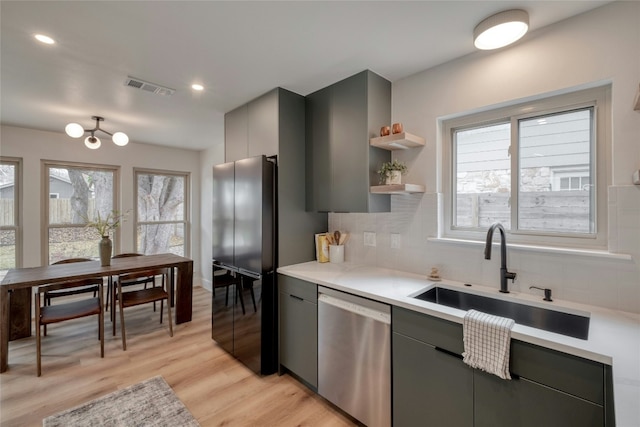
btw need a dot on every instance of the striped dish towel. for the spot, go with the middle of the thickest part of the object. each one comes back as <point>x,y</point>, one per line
<point>487,340</point>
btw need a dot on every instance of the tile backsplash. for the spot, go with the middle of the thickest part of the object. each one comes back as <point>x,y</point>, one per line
<point>605,282</point>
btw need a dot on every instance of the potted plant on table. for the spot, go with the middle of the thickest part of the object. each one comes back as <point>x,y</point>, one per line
<point>104,226</point>
<point>391,172</point>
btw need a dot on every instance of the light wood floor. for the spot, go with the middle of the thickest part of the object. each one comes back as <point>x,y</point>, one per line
<point>217,389</point>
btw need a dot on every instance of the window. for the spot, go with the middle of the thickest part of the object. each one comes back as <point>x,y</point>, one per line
<point>82,191</point>
<point>162,212</point>
<point>570,178</point>
<point>10,197</point>
<point>537,168</point>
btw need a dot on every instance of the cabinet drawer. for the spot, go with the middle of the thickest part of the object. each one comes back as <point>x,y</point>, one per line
<point>428,329</point>
<point>571,374</point>
<point>524,403</point>
<point>574,375</point>
<point>299,337</point>
<point>299,288</point>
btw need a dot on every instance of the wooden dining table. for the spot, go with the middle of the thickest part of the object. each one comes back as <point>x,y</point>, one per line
<point>16,289</point>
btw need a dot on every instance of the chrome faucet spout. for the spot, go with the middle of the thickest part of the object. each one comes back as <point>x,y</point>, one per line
<point>504,273</point>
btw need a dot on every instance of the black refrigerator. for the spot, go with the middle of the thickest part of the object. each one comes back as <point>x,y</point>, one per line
<point>244,312</point>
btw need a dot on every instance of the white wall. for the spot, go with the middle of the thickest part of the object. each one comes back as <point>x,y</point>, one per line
<point>600,46</point>
<point>208,159</point>
<point>34,145</point>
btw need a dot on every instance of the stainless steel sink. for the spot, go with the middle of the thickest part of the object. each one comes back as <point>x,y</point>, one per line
<point>573,325</point>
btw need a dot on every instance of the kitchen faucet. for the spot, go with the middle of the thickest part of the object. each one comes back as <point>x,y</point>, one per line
<point>504,274</point>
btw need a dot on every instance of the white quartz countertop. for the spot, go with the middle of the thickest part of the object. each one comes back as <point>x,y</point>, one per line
<point>614,336</point>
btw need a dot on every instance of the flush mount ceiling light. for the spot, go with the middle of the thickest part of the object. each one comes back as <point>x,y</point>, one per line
<point>501,29</point>
<point>197,87</point>
<point>74,130</point>
<point>44,39</point>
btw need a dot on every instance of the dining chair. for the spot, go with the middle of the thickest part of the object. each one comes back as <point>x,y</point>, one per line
<point>67,292</point>
<point>74,309</point>
<point>62,292</point>
<point>142,296</point>
<point>112,278</point>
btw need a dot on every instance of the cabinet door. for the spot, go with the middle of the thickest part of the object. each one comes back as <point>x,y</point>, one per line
<point>430,387</point>
<point>318,161</point>
<point>524,403</point>
<point>236,138</point>
<point>349,145</point>
<point>299,337</point>
<point>263,125</point>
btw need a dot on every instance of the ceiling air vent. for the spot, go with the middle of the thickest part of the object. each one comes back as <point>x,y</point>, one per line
<point>148,87</point>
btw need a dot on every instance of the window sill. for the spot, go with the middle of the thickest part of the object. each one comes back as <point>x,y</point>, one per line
<point>544,249</point>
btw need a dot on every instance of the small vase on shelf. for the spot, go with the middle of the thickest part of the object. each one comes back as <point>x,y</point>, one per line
<point>394,177</point>
<point>105,247</point>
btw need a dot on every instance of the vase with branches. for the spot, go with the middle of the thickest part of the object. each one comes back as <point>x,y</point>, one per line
<point>104,226</point>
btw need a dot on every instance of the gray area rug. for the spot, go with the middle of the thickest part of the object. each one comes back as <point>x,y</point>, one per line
<point>149,403</point>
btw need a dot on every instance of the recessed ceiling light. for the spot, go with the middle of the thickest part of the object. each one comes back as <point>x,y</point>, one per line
<point>196,86</point>
<point>501,29</point>
<point>44,39</point>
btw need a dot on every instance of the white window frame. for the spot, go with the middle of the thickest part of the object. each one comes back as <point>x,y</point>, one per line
<point>17,206</point>
<point>186,202</point>
<point>46,164</point>
<point>600,99</point>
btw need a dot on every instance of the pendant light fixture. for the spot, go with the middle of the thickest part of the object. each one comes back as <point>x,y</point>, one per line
<point>501,29</point>
<point>74,130</point>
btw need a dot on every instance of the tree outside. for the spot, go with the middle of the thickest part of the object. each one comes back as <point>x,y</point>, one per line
<point>161,213</point>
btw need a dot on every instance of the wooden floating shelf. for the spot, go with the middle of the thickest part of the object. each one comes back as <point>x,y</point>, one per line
<point>397,189</point>
<point>398,141</point>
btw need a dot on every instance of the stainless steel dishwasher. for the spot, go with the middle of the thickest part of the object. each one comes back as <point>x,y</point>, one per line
<point>354,355</point>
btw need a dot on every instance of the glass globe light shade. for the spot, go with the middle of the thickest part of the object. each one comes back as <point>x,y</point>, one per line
<point>74,130</point>
<point>120,138</point>
<point>92,142</point>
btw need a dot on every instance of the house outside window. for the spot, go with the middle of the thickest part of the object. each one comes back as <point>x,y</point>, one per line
<point>10,218</point>
<point>576,179</point>
<point>162,212</point>
<point>537,168</point>
<point>83,191</point>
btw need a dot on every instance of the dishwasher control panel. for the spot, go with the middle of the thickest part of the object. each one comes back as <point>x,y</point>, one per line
<point>381,316</point>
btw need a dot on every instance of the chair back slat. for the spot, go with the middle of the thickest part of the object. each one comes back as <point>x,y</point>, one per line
<point>71,260</point>
<point>70,284</point>
<point>137,275</point>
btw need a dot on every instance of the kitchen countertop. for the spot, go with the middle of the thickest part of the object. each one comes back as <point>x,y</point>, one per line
<point>614,336</point>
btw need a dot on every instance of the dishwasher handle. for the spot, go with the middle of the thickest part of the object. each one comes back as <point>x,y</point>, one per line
<point>358,309</point>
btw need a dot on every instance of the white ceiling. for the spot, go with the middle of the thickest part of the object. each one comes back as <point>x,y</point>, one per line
<point>238,50</point>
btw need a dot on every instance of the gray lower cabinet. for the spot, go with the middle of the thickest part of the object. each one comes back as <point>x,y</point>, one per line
<point>298,307</point>
<point>525,403</point>
<point>432,386</point>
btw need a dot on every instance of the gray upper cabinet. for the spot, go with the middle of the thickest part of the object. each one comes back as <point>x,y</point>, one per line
<point>274,124</point>
<point>341,165</point>
<point>252,129</point>
<point>236,135</point>
<point>263,125</point>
